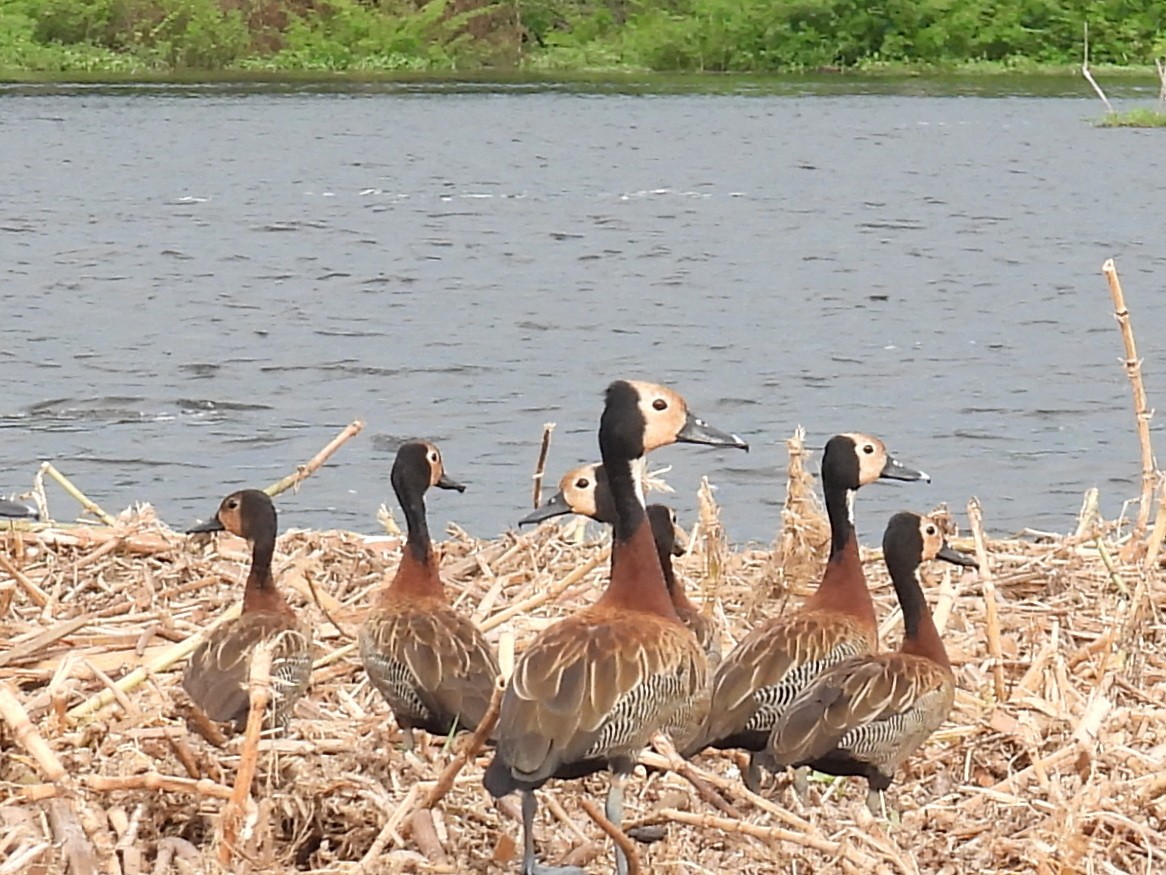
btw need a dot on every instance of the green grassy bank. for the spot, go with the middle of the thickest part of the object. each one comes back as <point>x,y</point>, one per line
<point>152,37</point>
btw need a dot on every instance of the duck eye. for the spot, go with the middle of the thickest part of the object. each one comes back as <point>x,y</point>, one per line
<point>232,504</point>
<point>660,404</point>
<point>868,448</point>
<point>582,483</point>
<point>931,530</point>
<point>433,457</point>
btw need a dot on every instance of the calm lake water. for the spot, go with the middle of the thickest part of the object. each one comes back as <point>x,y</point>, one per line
<point>202,285</point>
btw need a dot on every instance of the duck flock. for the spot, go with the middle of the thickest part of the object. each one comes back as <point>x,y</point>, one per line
<point>809,689</point>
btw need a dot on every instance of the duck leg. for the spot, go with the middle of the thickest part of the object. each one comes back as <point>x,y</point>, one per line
<point>530,866</point>
<point>614,811</point>
<point>801,784</point>
<point>759,761</point>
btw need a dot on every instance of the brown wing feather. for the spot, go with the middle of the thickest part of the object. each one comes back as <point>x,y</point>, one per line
<point>594,686</point>
<point>217,675</point>
<point>876,709</point>
<point>770,666</point>
<point>445,669</point>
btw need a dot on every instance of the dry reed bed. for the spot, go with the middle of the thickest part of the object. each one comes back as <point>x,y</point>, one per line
<point>1052,760</point>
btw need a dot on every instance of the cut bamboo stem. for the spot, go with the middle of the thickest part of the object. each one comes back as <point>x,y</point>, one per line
<point>988,587</point>
<point>259,683</point>
<point>85,501</point>
<point>540,466</point>
<point>1142,413</point>
<point>314,464</point>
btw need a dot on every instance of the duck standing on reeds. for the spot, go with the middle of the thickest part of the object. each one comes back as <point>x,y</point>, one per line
<point>584,491</point>
<point>429,661</point>
<point>867,714</point>
<point>217,676</point>
<point>589,692</point>
<point>765,671</point>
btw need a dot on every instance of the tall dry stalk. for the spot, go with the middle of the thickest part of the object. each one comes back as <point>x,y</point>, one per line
<point>540,466</point>
<point>1089,76</point>
<point>715,550</point>
<point>1142,413</point>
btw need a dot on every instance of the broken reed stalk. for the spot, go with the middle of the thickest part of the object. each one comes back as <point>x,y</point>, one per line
<point>163,661</point>
<point>27,735</point>
<point>540,466</point>
<point>67,827</point>
<point>233,813</point>
<point>547,594</point>
<point>808,839</point>
<point>152,781</point>
<point>1154,540</point>
<point>616,834</point>
<point>1133,367</point>
<point>988,587</point>
<point>35,594</point>
<point>89,504</point>
<point>449,774</point>
<point>314,464</point>
<point>713,538</point>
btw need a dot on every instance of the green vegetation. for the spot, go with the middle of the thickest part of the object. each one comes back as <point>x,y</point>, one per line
<point>1142,117</point>
<point>755,36</point>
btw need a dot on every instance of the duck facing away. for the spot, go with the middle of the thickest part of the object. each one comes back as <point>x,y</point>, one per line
<point>867,714</point>
<point>584,491</point>
<point>216,677</point>
<point>429,661</point>
<point>775,661</point>
<point>589,692</point>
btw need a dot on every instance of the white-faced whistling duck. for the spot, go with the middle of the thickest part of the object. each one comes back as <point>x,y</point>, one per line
<point>866,715</point>
<point>590,691</point>
<point>216,677</point>
<point>770,665</point>
<point>14,510</point>
<point>429,661</point>
<point>584,491</point>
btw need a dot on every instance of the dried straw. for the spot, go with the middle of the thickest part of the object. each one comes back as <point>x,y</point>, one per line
<point>1051,760</point>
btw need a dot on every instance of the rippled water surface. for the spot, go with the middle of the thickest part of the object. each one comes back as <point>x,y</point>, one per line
<point>202,285</point>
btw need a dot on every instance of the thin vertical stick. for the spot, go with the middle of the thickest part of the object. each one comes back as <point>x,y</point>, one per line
<point>1133,366</point>
<point>540,466</point>
<point>988,585</point>
<point>259,681</point>
<point>1160,66</point>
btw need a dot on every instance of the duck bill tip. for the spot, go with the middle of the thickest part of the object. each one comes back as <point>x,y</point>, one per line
<point>955,557</point>
<point>211,525</point>
<point>555,506</point>
<point>447,482</point>
<point>896,470</point>
<point>697,431</point>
